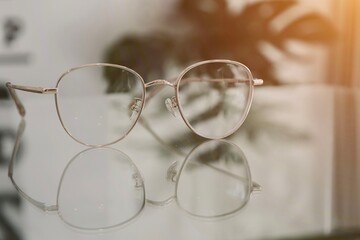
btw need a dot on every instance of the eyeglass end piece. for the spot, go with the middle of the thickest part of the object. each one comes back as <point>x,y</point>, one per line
<point>49,90</point>
<point>258,82</point>
<point>256,187</point>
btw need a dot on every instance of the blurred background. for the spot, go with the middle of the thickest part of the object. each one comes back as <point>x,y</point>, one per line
<point>307,52</point>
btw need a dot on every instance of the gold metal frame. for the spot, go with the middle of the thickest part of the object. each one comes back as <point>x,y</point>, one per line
<point>175,100</point>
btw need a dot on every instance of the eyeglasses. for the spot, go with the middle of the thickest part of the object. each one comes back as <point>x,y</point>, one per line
<point>213,98</point>
<point>102,188</point>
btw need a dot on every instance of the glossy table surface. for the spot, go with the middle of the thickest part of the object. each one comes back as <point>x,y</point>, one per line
<point>291,171</point>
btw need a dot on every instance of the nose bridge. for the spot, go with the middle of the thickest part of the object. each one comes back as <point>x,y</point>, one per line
<point>159,82</point>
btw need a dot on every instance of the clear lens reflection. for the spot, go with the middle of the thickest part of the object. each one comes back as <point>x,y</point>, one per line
<point>214,180</point>
<point>102,188</point>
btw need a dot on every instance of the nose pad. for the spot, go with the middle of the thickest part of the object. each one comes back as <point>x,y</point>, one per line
<point>135,108</point>
<point>172,106</point>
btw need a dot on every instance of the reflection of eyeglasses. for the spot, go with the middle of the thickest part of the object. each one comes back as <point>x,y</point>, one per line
<point>102,188</point>
<point>213,98</point>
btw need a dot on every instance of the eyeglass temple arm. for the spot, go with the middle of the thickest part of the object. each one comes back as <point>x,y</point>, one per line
<point>254,186</point>
<point>42,206</point>
<point>255,81</point>
<point>17,100</point>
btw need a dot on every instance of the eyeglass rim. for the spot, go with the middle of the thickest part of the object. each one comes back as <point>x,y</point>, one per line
<point>247,169</point>
<point>100,65</point>
<point>176,86</point>
<point>104,227</point>
<point>247,108</point>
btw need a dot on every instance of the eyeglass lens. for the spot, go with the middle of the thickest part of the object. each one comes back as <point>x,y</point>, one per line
<point>213,97</point>
<point>94,111</point>
<point>100,188</point>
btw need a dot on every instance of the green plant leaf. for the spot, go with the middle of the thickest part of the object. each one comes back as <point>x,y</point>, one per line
<point>311,28</point>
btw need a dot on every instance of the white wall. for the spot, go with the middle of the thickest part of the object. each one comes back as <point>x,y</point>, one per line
<point>61,34</point>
